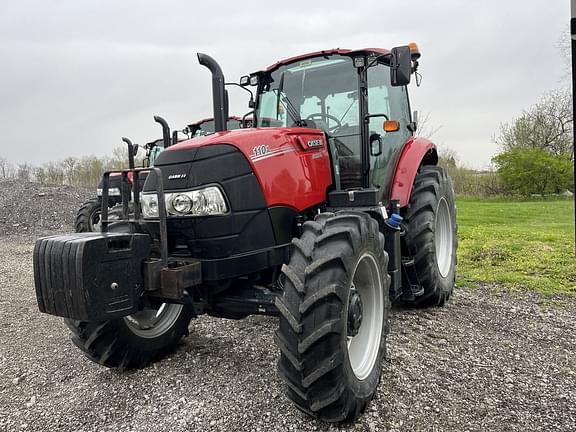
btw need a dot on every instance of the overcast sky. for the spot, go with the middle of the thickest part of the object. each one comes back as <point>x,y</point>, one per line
<point>75,76</point>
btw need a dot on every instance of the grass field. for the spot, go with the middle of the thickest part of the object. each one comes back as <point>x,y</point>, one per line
<point>517,244</point>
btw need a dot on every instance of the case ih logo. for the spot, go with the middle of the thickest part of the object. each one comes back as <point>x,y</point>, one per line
<point>314,143</point>
<point>177,176</point>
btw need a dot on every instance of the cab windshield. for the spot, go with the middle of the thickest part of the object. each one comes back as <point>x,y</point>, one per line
<point>320,92</point>
<point>207,127</point>
<point>204,128</point>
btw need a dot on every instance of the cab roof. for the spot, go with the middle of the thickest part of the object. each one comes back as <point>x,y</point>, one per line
<point>349,52</point>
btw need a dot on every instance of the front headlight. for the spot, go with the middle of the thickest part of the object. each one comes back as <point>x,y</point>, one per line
<point>149,204</point>
<point>111,192</point>
<point>208,201</point>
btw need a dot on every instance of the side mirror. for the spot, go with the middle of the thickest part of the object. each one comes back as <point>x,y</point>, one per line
<point>400,66</point>
<point>375,144</point>
<point>135,149</point>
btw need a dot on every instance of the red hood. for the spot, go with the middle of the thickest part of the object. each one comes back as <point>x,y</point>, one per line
<point>247,139</point>
<point>292,164</point>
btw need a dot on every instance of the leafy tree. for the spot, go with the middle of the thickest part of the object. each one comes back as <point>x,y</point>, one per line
<point>546,126</point>
<point>534,171</point>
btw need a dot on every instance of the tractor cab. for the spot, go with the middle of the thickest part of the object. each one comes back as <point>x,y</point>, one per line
<point>353,97</point>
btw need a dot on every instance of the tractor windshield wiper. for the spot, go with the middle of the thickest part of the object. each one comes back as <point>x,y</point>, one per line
<point>292,111</point>
<point>287,103</point>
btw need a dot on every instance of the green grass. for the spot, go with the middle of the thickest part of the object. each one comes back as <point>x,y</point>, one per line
<point>517,244</point>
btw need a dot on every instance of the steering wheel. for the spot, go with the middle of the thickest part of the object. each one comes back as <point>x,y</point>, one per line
<point>324,118</point>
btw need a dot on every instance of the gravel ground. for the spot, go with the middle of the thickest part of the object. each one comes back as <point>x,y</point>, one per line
<point>490,360</point>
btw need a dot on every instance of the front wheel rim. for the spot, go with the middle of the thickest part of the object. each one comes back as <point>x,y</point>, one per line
<point>443,237</point>
<point>364,346</point>
<point>95,220</point>
<point>153,322</point>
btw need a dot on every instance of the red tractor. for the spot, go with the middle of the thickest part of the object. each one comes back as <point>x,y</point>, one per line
<point>323,213</point>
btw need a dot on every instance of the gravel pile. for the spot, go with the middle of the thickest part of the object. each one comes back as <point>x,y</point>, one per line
<point>490,360</point>
<point>33,209</point>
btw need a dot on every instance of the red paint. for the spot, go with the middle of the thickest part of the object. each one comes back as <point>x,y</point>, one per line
<point>410,160</point>
<point>290,173</point>
<point>349,52</point>
<point>118,174</point>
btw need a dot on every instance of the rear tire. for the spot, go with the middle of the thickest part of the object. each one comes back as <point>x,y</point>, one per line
<point>135,341</point>
<point>88,216</point>
<point>330,359</point>
<point>431,235</point>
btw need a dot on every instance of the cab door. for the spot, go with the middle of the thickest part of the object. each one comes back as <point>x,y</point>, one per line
<point>393,103</point>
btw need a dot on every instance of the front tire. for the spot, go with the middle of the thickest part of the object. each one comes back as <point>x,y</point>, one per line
<point>134,341</point>
<point>431,235</point>
<point>88,216</point>
<point>334,316</point>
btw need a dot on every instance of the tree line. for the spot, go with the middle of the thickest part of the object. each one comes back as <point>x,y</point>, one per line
<point>83,172</point>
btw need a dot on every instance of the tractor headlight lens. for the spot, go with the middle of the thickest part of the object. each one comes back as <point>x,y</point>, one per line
<point>149,204</point>
<point>111,192</point>
<point>208,201</point>
<point>180,204</point>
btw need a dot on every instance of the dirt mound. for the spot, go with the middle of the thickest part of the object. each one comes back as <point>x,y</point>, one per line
<point>28,208</point>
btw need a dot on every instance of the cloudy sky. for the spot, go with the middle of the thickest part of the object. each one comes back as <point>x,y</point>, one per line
<point>75,76</point>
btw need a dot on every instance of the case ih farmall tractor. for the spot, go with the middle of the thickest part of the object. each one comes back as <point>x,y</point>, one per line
<point>323,213</point>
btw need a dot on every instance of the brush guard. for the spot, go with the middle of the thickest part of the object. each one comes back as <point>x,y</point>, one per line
<point>100,276</point>
<point>163,277</point>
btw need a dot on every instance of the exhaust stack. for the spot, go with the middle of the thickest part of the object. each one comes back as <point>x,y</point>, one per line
<point>165,130</point>
<point>130,152</point>
<point>218,92</point>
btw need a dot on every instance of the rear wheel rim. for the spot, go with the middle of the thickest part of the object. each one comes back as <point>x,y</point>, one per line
<point>443,237</point>
<point>364,346</point>
<point>153,322</point>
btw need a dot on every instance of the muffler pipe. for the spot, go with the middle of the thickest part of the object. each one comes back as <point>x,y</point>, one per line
<point>218,91</point>
<point>165,130</point>
<point>130,152</point>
